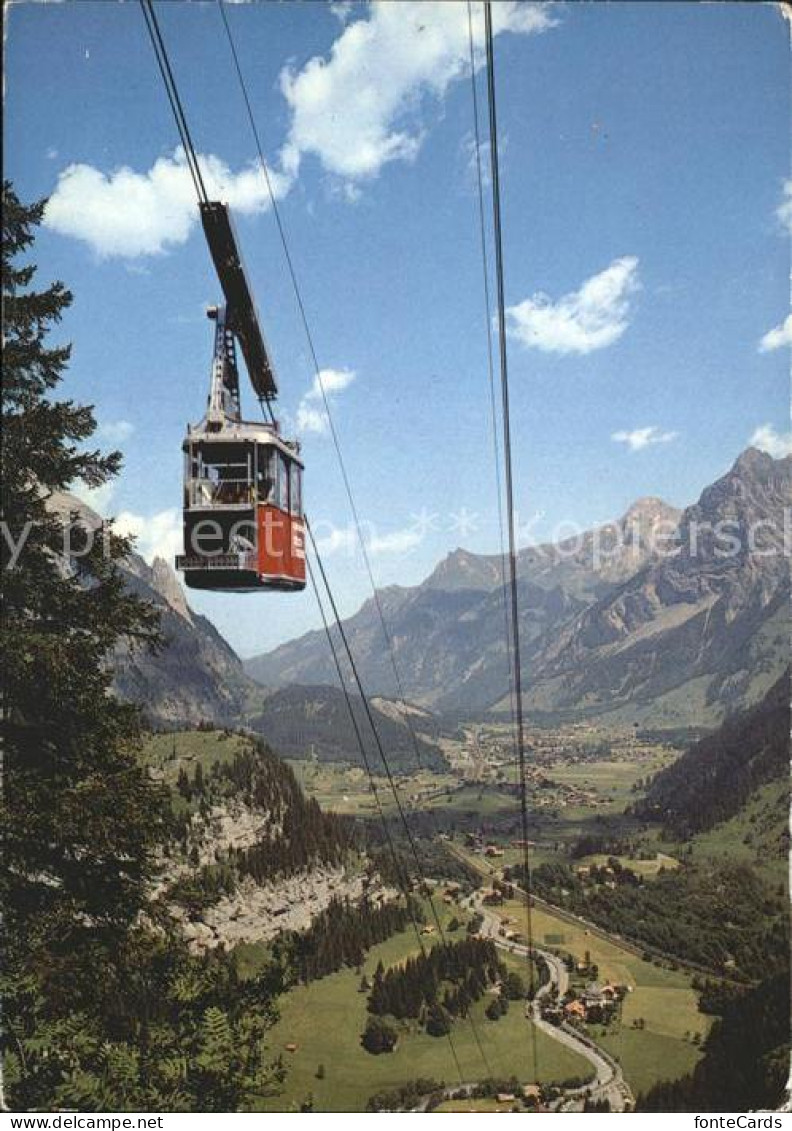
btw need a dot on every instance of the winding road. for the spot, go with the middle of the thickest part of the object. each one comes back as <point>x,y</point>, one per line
<point>608,1083</point>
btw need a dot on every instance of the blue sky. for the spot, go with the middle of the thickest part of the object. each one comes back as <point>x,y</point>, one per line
<point>647,207</point>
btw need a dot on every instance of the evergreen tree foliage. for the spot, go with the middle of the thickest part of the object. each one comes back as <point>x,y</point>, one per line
<point>80,817</point>
<point>104,1008</point>
<point>379,1036</point>
<point>340,936</point>
<point>438,985</point>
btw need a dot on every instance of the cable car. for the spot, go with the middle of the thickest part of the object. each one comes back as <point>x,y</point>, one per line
<point>243,519</point>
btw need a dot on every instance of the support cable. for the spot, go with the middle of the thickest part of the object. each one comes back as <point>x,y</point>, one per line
<point>507,457</point>
<point>320,382</point>
<point>401,873</point>
<point>383,757</point>
<point>490,357</point>
<point>402,876</point>
<point>181,123</point>
<point>171,89</point>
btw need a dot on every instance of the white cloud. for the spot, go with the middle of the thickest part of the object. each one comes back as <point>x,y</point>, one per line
<point>342,9</point>
<point>359,108</point>
<point>779,336</point>
<point>585,320</point>
<point>128,214</point>
<point>311,414</point>
<point>776,444</point>
<point>468,147</point>
<point>784,210</point>
<point>396,542</point>
<point>344,540</point>
<point>156,536</point>
<point>115,431</point>
<point>640,438</point>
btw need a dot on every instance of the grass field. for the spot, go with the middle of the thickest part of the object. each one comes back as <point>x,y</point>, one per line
<point>647,1057</point>
<point>755,836</point>
<point>169,752</point>
<point>646,868</point>
<point>343,788</point>
<point>480,1106</point>
<point>326,1018</point>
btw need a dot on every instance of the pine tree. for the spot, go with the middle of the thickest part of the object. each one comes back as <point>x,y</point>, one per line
<point>79,814</point>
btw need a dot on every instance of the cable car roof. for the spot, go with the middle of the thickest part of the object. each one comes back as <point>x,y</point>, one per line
<point>242,432</point>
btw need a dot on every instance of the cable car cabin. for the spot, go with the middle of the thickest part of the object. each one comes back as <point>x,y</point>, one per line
<point>243,518</point>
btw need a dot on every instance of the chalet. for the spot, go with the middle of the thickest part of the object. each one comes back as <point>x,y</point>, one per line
<point>505,1097</point>
<point>531,1092</point>
<point>594,994</point>
<point>291,1047</point>
<point>575,1009</point>
<point>492,896</point>
<point>493,850</point>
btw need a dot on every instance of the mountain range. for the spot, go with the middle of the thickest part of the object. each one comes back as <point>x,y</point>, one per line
<point>663,618</point>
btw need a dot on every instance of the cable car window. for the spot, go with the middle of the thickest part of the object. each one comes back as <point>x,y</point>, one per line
<point>295,497</point>
<point>283,483</point>
<point>267,475</point>
<point>223,475</point>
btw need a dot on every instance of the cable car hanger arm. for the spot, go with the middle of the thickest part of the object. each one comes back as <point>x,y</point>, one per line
<point>241,314</point>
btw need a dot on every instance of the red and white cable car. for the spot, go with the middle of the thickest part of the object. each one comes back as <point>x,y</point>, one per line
<point>243,516</point>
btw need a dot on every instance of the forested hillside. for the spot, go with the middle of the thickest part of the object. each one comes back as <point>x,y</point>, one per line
<point>314,721</point>
<point>715,778</point>
<point>716,914</point>
<point>746,1058</point>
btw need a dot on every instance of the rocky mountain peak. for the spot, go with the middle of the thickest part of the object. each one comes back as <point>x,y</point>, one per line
<point>649,511</point>
<point>753,461</point>
<point>165,581</point>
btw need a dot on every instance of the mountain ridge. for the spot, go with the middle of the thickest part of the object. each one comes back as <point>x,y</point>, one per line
<point>195,676</point>
<point>647,619</point>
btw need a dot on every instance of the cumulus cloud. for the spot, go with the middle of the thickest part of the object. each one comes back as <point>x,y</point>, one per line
<point>311,414</point>
<point>779,336</point>
<point>360,107</point>
<point>128,214</point>
<point>585,320</point>
<point>342,9</point>
<point>115,431</point>
<point>472,159</point>
<point>776,444</point>
<point>156,536</point>
<point>640,438</point>
<point>335,540</point>
<point>784,210</point>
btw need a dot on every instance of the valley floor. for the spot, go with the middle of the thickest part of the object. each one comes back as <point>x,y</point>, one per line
<point>326,1018</point>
